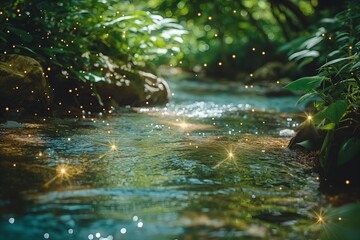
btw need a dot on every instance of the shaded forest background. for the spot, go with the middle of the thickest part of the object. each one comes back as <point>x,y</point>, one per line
<point>221,38</point>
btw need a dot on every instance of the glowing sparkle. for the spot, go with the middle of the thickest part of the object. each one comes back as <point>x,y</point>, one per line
<point>140,224</point>
<point>347,182</point>
<point>113,147</point>
<point>11,220</point>
<point>123,230</point>
<point>320,217</point>
<point>229,158</point>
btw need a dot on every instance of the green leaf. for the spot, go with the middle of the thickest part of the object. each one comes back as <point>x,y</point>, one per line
<point>307,97</point>
<point>336,110</point>
<point>319,117</point>
<point>325,148</point>
<point>26,37</point>
<point>342,68</point>
<point>93,78</point>
<point>311,42</point>
<point>355,66</point>
<point>28,49</point>
<point>119,19</point>
<point>304,54</point>
<point>305,84</point>
<point>307,144</point>
<point>329,126</point>
<point>337,61</point>
<point>333,53</point>
<point>342,223</point>
<point>348,151</point>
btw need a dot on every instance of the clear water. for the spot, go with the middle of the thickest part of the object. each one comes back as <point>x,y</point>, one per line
<point>209,165</point>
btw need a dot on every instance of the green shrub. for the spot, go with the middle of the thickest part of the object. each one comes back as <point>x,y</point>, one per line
<point>78,37</point>
<point>335,91</point>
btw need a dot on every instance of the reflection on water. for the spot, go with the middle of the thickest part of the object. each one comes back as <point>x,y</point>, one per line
<point>209,165</point>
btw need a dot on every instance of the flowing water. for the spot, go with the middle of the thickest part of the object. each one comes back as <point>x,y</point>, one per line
<point>209,165</point>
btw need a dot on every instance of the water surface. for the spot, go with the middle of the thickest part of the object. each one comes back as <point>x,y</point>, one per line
<point>209,165</point>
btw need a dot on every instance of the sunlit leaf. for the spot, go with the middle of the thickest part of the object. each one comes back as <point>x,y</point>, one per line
<point>304,54</point>
<point>329,126</point>
<point>312,42</point>
<point>337,61</point>
<point>307,144</point>
<point>120,19</point>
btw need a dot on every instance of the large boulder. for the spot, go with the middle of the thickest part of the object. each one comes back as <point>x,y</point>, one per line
<point>136,88</point>
<point>23,86</point>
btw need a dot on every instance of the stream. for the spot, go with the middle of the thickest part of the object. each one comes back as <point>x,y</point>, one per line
<point>211,164</point>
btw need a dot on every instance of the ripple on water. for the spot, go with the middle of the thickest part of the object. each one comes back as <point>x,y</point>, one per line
<point>160,173</point>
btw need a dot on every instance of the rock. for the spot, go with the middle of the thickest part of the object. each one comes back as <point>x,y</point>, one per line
<point>136,88</point>
<point>118,88</point>
<point>272,72</point>
<point>268,72</point>
<point>307,132</point>
<point>286,133</point>
<point>12,124</point>
<point>23,87</point>
<point>156,88</point>
<point>73,96</point>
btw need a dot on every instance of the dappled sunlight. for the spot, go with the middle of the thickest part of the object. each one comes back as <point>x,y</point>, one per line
<point>186,126</point>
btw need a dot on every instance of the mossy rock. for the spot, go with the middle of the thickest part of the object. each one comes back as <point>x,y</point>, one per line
<point>23,86</point>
